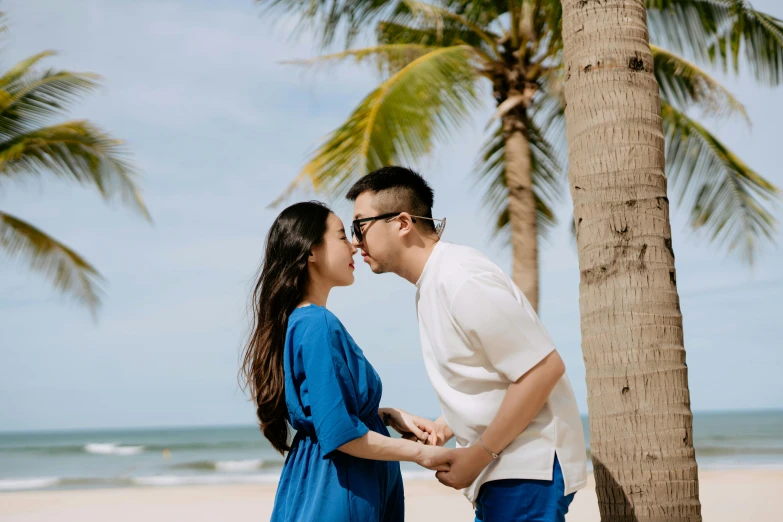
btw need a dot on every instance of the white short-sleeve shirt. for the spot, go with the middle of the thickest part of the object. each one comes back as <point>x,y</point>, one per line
<point>479,334</point>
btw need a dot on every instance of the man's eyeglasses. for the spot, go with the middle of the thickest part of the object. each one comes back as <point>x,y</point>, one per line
<point>356,228</point>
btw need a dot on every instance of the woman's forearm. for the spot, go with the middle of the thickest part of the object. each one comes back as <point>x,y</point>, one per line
<point>383,412</point>
<point>374,446</point>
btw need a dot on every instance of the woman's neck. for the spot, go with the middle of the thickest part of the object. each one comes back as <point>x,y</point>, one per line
<point>316,294</point>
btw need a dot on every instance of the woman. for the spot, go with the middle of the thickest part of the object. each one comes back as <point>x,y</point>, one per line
<point>302,366</point>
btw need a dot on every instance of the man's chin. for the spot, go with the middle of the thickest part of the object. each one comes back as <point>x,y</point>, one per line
<point>377,268</point>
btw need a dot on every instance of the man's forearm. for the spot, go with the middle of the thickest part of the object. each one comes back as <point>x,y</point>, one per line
<point>523,400</point>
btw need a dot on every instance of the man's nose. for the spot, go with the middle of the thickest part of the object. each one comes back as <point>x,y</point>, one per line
<point>355,242</point>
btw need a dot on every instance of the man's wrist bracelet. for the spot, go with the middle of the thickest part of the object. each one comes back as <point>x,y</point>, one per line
<point>494,455</point>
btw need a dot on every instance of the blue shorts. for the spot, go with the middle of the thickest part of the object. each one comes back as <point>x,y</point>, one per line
<point>523,500</point>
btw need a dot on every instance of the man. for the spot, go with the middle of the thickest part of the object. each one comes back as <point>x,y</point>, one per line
<point>501,383</point>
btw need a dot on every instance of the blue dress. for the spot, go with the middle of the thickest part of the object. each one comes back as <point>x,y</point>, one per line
<point>332,394</point>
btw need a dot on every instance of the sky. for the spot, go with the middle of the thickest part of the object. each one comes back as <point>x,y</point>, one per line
<point>218,127</point>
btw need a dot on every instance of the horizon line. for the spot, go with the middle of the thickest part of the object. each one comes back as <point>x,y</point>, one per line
<point>583,415</point>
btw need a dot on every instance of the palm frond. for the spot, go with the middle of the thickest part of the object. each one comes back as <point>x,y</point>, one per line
<point>74,150</point>
<point>389,32</point>
<point>490,172</point>
<point>548,24</point>
<point>546,162</point>
<point>326,19</point>
<point>485,14</point>
<point>67,270</point>
<point>547,113</point>
<point>683,84</point>
<point>22,68</point>
<point>546,221</point>
<point>388,58</point>
<point>760,34</point>
<point>398,122</point>
<point>728,200</point>
<point>546,134</point>
<point>439,26</point>
<point>440,17</point>
<point>31,98</point>
<point>687,26</point>
<point>716,31</point>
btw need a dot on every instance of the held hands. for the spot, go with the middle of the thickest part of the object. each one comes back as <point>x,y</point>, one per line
<point>435,458</point>
<point>456,468</point>
<point>415,428</point>
<point>465,466</point>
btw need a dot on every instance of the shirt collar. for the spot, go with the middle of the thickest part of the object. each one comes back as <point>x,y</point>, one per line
<point>428,266</point>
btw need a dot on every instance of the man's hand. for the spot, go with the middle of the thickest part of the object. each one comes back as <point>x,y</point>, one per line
<point>466,465</point>
<point>411,427</point>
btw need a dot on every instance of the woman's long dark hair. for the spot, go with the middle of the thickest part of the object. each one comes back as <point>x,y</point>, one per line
<point>281,286</point>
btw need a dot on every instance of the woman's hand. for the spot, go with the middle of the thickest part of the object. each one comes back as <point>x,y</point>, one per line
<point>435,458</point>
<point>411,427</point>
<point>441,433</point>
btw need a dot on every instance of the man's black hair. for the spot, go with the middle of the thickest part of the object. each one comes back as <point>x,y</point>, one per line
<point>398,189</point>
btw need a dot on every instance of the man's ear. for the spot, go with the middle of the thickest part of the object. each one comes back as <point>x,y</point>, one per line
<point>406,223</point>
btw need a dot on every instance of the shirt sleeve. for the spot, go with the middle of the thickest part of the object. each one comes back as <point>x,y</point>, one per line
<point>509,332</point>
<point>333,401</point>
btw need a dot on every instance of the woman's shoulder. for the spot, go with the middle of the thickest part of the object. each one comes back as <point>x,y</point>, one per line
<point>313,326</point>
<point>313,317</point>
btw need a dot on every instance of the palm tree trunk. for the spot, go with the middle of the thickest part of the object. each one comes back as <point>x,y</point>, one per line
<point>637,380</point>
<point>521,207</point>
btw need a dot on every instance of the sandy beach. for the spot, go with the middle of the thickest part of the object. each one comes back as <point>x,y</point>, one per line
<point>727,496</point>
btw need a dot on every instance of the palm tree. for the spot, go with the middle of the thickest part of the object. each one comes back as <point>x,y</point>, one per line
<point>438,61</point>
<point>641,433</point>
<point>74,150</point>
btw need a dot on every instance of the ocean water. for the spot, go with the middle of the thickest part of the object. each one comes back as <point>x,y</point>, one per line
<point>218,455</point>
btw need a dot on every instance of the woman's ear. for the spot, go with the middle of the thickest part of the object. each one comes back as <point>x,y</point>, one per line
<point>311,257</point>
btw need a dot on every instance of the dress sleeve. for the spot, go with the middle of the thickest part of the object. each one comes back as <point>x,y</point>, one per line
<point>333,401</point>
<point>509,332</point>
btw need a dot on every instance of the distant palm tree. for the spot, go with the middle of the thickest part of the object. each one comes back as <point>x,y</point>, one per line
<point>74,150</point>
<point>439,60</point>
